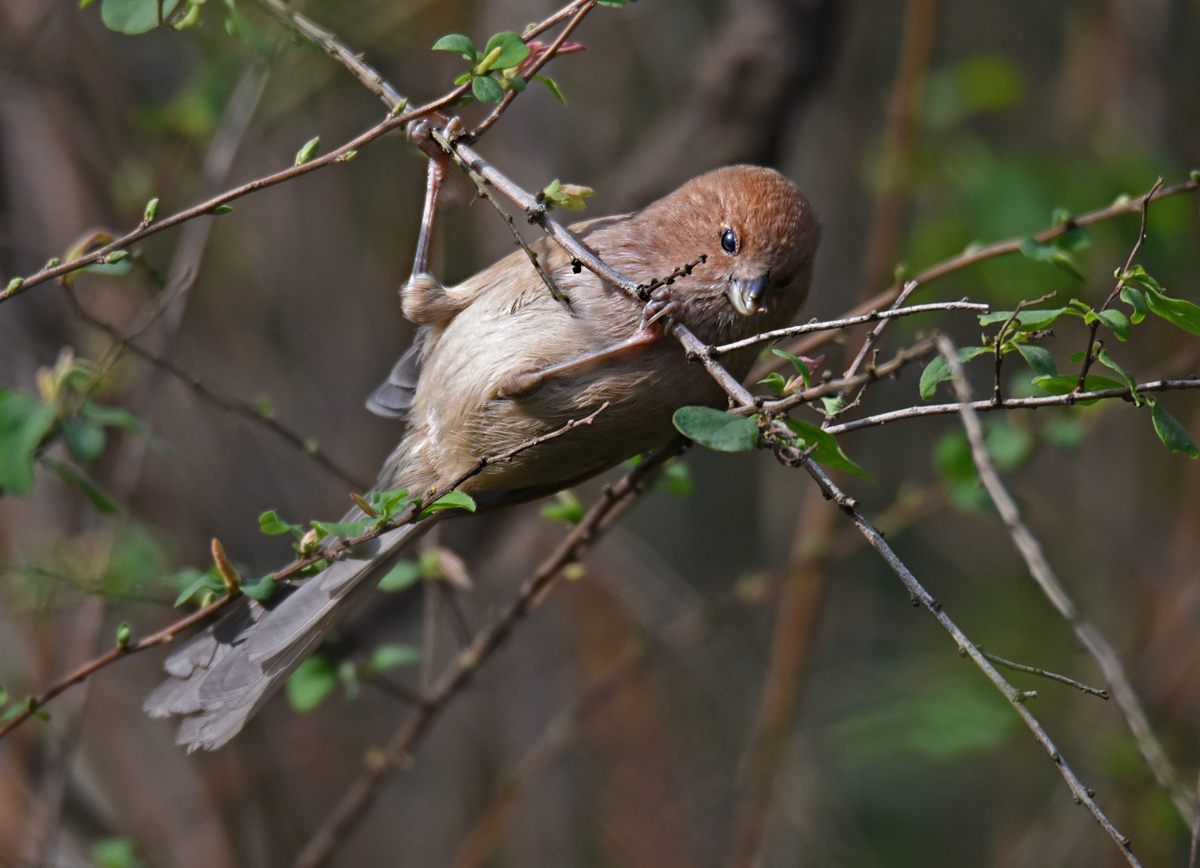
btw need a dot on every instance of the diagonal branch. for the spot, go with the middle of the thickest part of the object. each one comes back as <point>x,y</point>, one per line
<point>1039,567</point>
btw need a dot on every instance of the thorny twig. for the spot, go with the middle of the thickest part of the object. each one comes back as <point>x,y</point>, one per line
<point>1039,567</point>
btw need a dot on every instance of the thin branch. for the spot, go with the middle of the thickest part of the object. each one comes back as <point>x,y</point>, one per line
<point>1053,676</point>
<point>973,255</point>
<point>830,325</point>
<point>1089,355</point>
<point>330,553</point>
<point>1039,567</point>
<point>1013,404</point>
<point>380,763</point>
<point>922,598</point>
<point>305,445</point>
<point>875,333</point>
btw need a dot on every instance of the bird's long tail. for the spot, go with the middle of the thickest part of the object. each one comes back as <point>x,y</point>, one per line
<point>223,676</point>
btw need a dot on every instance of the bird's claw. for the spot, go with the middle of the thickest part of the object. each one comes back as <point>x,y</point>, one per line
<point>662,308</point>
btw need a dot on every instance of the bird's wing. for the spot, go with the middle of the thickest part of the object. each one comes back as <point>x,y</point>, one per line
<point>394,396</point>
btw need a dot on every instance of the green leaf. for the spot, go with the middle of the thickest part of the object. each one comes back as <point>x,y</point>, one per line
<point>1174,310</point>
<point>938,370</point>
<point>3,695</point>
<point>134,16</point>
<point>775,382</point>
<point>798,363</point>
<point>833,405</point>
<point>391,656</point>
<point>1116,322</point>
<point>403,575</point>
<point>457,42</point>
<point>717,430</point>
<point>1169,431</point>
<point>344,529</point>
<point>1066,383</point>
<point>24,422</point>
<point>1027,320</point>
<point>309,150</point>
<point>1008,446</point>
<point>311,683</point>
<point>272,525</point>
<point>77,478</point>
<point>449,500</point>
<point>828,451</point>
<point>486,89</point>
<point>1105,359</point>
<point>260,589</point>
<point>195,582</point>
<point>552,86</point>
<point>151,211</point>
<point>1039,359</point>
<point>1136,300</point>
<point>388,503</point>
<point>1052,254</point>
<point>1065,431</point>
<point>83,440</point>
<point>512,50</point>
<point>568,509</point>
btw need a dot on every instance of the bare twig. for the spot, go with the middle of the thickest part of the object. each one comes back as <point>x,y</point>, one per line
<point>1053,676</point>
<point>1014,403</point>
<point>380,763</point>
<point>330,553</point>
<point>1039,567</point>
<point>830,325</point>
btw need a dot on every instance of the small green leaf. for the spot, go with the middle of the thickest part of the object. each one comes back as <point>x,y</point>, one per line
<point>134,16</point>
<point>798,363</point>
<point>388,503</point>
<point>450,500</point>
<point>84,440</point>
<point>309,150</point>
<point>1052,254</point>
<point>1105,359</point>
<point>116,256</point>
<point>1008,446</point>
<point>196,582</point>
<point>392,656</point>
<point>311,683</point>
<point>567,509</point>
<point>403,575</point>
<point>552,86</point>
<point>1170,432</point>
<point>1066,383</point>
<point>457,42</point>
<point>260,589</point>
<point>1065,431</point>
<point>486,89</point>
<point>938,370</point>
<point>222,209</point>
<point>1039,359</point>
<point>775,382</point>
<point>512,50</point>
<point>344,529</point>
<point>1027,320</point>
<point>1174,310</point>
<point>3,695</point>
<point>15,284</point>
<point>828,451</point>
<point>272,525</point>
<point>717,430</point>
<point>1137,300</point>
<point>151,211</point>
<point>123,633</point>
<point>1116,322</point>
<point>833,405</point>
<point>77,478</point>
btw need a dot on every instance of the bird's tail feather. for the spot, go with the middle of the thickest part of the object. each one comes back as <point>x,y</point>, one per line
<point>223,676</point>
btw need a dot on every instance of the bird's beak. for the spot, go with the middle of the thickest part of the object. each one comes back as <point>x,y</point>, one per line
<point>745,293</point>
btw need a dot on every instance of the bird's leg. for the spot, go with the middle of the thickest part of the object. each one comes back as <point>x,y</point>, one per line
<point>423,296</point>
<point>657,317</point>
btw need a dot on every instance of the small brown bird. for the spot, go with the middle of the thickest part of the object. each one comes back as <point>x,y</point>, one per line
<point>498,361</point>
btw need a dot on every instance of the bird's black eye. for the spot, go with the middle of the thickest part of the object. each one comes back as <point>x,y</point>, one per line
<point>729,241</point>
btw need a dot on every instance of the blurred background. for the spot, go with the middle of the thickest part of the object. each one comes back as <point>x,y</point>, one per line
<point>735,680</point>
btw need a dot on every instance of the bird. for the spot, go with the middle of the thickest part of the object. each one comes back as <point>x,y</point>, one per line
<point>499,360</point>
